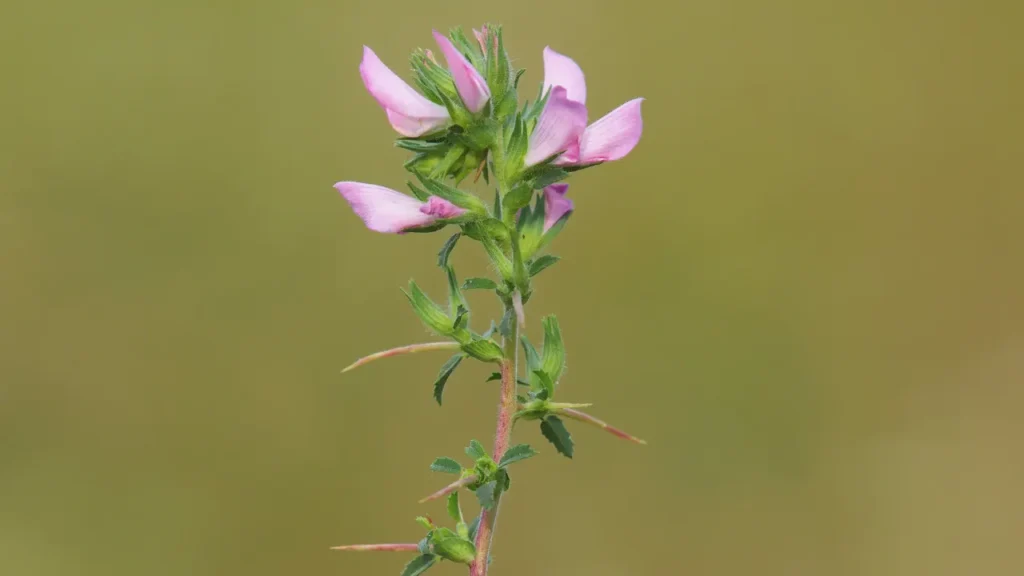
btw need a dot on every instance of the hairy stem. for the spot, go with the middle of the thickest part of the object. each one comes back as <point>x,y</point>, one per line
<point>503,434</point>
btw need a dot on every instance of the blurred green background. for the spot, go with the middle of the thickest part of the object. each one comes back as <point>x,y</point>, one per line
<point>804,288</point>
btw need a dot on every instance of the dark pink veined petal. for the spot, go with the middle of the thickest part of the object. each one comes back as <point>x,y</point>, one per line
<point>560,124</point>
<point>613,136</point>
<point>556,204</point>
<point>471,85</point>
<point>441,208</point>
<point>411,114</point>
<point>383,209</point>
<point>560,70</point>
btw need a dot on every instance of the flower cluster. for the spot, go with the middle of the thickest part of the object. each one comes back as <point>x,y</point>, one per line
<point>464,118</point>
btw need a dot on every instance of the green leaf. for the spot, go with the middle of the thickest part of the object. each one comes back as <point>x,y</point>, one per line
<point>483,350</point>
<point>446,250</point>
<point>494,376</point>
<point>515,454</point>
<point>542,263</point>
<point>429,312</point>
<point>446,466</point>
<point>475,450</point>
<point>455,549</point>
<point>485,494</point>
<point>473,527</point>
<point>498,258</point>
<point>453,507</point>
<point>517,198</point>
<point>479,284</point>
<point>554,430</point>
<point>425,522</point>
<point>455,298</point>
<point>419,565</point>
<point>416,145</point>
<point>554,349</point>
<point>442,377</point>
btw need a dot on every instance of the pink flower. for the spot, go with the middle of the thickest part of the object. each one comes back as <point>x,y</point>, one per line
<point>610,138</point>
<point>385,210</point>
<point>471,85</point>
<point>558,129</point>
<point>411,114</point>
<point>556,205</point>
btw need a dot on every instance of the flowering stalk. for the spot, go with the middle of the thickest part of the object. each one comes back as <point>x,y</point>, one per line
<point>460,119</point>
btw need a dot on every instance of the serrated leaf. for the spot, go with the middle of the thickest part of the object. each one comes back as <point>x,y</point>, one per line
<point>442,377</point>
<point>483,350</point>
<point>485,494</point>
<point>453,507</point>
<point>446,250</point>
<point>554,430</point>
<point>419,565</point>
<point>479,284</point>
<point>475,450</point>
<point>542,263</point>
<point>446,466</point>
<point>553,360</point>
<point>516,453</point>
<point>455,549</point>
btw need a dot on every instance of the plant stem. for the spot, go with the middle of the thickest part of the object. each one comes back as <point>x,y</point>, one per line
<point>503,434</point>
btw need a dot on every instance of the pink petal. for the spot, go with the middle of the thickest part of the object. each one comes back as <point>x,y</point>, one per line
<point>470,84</point>
<point>383,209</point>
<point>481,39</point>
<point>556,204</point>
<point>409,112</point>
<point>562,71</point>
<point>561,122</point>
<point>441,208</point>
<point>613,136</point>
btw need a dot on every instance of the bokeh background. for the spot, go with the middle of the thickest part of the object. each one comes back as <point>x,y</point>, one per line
<point>804,288</point>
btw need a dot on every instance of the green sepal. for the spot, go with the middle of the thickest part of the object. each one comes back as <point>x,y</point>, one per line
<point>552,232</point>
<point>420,194</point>
<point>520,276</point>
<point>516,453</point>
<point>479,284</point>
<point>455,298</point>
<point>418,145</point>
<point>475,450</point>
<point>484,350</point>
<point>454,510</point>
<point>542,263</point>
<point>429,312</point>
<point>554,430</point>
<point>442,377</point>
<point>498,258</point>
<point>446,250</point>
<point>546,390</point>
<point>419,565</point>
<point>532,358</point>
<point>454,195</point>
<point>446,466</point>
<point>425,522</point>
<point>455,548</point>
<point>553,360</point>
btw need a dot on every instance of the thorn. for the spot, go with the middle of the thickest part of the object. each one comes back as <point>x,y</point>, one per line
<point>461,482</point>
<point>587,418</point>
<point>410,349</point>
<point>378,548</point>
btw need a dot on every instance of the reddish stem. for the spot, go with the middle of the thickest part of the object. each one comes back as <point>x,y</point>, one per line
<point>506,410</point>
<point>584,417</point>
<point>410,349</point>
<point>450,488</point>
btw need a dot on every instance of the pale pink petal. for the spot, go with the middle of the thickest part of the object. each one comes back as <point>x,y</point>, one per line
<point>556,204</point>
<point>383,209</point>
<point>471,85</point>
<point>613,136</point>
<point>410,113</point>
<point>560,70</point>
<point>441,208</point>
<point>413,127</point>
<point>561,122</point>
